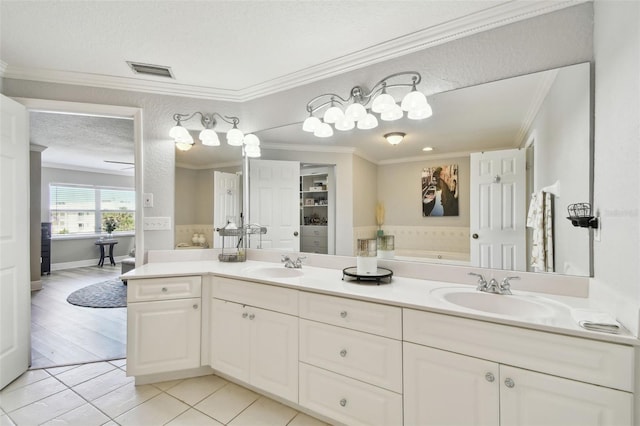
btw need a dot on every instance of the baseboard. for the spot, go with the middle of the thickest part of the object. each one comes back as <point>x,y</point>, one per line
<point>36,285</point>
<point>82,263</point>
<point>172,375</point>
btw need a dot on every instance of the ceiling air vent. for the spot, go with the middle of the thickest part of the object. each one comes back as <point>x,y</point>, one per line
<point>148,69</point>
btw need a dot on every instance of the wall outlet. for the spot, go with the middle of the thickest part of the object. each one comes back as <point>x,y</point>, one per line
<point>157,224</point>
<point>148,199</point>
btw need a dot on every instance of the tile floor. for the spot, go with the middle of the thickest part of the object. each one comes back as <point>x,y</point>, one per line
<point>100,393</point>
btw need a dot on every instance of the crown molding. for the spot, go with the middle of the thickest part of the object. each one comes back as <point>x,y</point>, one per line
<point>76,168</point>
<point>537,101</point>
<point>494,17</point>
<point>209,166</point>
<point>309,148</point>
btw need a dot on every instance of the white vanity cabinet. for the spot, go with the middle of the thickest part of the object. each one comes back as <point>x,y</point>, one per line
<point>254,335</point>
<point>163,321</point>
<point>351,360</point>
<point>481,383</point>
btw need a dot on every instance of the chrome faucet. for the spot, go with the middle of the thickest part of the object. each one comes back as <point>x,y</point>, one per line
<point>289,263</point>
<point>494,286</point>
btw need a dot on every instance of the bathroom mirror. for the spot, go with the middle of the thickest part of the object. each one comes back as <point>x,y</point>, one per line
<point>547,115</point>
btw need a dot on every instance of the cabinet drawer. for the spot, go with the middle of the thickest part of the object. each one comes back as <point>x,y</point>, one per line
<point>139,290</point>
<point>313,231</point>
<point>601,363</point>
<point>372,359</point>
<point>270,297</point>
<point>315,242</point>
<point>346,400</point>
<point>369,317</point>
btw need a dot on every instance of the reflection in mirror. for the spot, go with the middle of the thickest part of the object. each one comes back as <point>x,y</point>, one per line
<point>537,127</point>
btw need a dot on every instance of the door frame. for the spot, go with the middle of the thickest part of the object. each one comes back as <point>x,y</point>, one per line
<point>47,105</point>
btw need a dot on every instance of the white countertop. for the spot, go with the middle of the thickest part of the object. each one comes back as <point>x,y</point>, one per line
<point>401,291</point>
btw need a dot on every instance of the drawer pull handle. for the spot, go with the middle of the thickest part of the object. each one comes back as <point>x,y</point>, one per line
<point>244,315</point>
<point>343,353</point>
<point>195,306</point>
<point>490,377</point>
<point>164,289</point>
<point>343,314</point>
<point>252,316</point>
<point>509,382</point>
<point>343,402</point>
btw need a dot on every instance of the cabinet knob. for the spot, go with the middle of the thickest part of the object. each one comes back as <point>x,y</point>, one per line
<point>343,353</point>
<point>490,377</point>
<point>252,316</point>
<point>343,314</point>
<point>244,315</point>
<point>295,233</point>
<point>508,382</point>
<point>343,402</point>
<point>195,306</point>
<point>164,289</point>
<point>474,236</point>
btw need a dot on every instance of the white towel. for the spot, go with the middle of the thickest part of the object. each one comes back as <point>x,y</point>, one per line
<point>593,320</point>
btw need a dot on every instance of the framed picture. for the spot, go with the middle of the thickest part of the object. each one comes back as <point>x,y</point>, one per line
<point>440,191</point>
<point>308,202</point>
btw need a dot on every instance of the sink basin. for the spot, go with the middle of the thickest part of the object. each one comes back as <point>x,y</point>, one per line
<point>274,272</point>
<point>498,304</point>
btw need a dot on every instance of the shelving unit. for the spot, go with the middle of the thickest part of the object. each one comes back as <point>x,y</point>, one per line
<point>316,211</point>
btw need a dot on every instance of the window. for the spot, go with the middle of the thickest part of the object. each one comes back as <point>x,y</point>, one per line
<point>76,209</point>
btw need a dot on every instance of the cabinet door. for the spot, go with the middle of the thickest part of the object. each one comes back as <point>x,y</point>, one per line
<point>530,398</point>
<point>443,388</point>
<point>274,353</point>
<point>163,336</point>
<point>230,331</point>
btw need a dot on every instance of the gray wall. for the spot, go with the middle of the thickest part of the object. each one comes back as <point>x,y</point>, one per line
<point>365,192</point>
<point>34,215</point>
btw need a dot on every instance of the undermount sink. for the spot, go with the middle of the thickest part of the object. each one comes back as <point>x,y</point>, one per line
<point>274,272</point>
<point>499,304</point>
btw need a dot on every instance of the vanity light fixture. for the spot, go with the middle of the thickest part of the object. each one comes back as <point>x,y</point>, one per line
<point>356,113</point>
<point>394,138</point>
<point>235,137</point>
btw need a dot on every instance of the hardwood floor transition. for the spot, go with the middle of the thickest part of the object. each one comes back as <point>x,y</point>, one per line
<point>64,334</point>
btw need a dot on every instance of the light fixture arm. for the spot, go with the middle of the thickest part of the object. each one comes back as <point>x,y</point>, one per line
<point>360,95</point>
<point>208,121</point>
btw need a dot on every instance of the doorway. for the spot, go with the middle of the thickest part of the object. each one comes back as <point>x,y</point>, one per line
<point>62,333</point>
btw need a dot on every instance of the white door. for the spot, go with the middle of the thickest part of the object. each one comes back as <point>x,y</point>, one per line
<point>226,199</point>
<point>528,398</point>
<point>274,202</point>
<point>498,234</point>
<point>15,280</point>
<point>442,388</point>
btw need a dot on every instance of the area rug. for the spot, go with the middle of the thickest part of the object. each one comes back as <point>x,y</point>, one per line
<point>107,294</point>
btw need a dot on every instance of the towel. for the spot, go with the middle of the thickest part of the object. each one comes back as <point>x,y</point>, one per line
<point>593,320</point>
<point>540,219</point>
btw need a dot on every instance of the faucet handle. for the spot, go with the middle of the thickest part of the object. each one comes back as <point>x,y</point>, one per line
<point>480,277</point>
<point>505,280</point>
<point>285,258</point>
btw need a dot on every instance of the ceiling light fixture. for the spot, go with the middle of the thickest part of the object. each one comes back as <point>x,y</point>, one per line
<point>235,137</point>
<point>427,149</point>
<point>394,138</point>
<point>356,113</point>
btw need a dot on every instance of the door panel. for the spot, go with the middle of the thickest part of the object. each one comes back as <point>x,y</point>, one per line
<point>15,281</point>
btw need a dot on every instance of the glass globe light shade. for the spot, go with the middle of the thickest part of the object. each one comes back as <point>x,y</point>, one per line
<point>394,138</point>
<point>333,114</point>
<point>392,114</point>
<point>368,122</point>
<point>311,123</point>
<point>209,137</point>
<point>355,112</point>
<point>414,100</point>
<point>344,124</point>
<point>179,132</point>
<point>235,137</point>
<point>419,114</point>
<point>323,131</point>
<point>251,140</point>
<point>383,102</point>
<point>252,151</point>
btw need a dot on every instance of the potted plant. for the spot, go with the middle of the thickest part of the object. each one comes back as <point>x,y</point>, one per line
<point>110,225</point>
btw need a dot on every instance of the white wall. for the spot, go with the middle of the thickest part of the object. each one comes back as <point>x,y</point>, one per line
<point>365,192</point>
<point>616,281</point>
<point>562,153</point>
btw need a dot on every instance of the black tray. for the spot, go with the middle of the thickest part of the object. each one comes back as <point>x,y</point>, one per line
<point>351,274</point>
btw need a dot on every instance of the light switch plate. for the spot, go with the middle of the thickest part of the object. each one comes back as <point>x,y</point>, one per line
<point>157,224</point>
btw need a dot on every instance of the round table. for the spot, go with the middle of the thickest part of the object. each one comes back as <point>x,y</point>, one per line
<point>101,244</point>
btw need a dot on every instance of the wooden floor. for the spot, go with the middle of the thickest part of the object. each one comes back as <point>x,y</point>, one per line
<point>62,333</point>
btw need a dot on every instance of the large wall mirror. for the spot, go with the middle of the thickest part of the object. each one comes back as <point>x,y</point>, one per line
<point>544,118</point>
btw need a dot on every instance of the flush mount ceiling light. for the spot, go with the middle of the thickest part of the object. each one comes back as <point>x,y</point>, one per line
<point>184,141</point>
<point>356,113</point>
<point>394,138</point>
<point>427,149</point>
